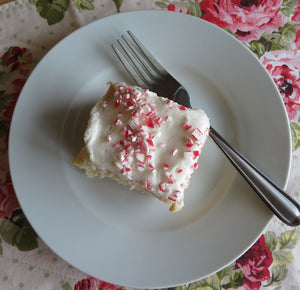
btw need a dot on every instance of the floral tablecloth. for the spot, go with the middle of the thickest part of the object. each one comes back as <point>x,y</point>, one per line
<point>29,28</point>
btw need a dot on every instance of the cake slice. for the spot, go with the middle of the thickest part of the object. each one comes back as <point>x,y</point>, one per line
<point>144,141</point>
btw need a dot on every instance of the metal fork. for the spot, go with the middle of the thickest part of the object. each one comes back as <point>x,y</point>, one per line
<point>149,73</point>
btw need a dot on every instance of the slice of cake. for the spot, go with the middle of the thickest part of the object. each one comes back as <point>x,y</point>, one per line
<point>144,141</point>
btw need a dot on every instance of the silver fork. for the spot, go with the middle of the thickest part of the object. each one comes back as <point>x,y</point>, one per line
<point>149,73</point>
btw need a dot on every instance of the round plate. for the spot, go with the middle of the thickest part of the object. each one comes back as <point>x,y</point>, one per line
<point>127,237</point>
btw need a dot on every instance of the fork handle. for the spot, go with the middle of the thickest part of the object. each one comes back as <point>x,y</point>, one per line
<point>280,203</point>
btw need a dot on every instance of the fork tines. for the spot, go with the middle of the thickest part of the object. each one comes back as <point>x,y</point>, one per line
<point>138,61</point>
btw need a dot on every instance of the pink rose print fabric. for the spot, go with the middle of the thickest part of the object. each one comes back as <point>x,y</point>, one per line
<point>248,19</point>
<point>17,61</point>
<point>296,18</point>
<point>91,283</point>
<point>177,8</point>
<point>17,58</point>
<point>8,200</point>
<point>284,67</point>
<point>255,264</point>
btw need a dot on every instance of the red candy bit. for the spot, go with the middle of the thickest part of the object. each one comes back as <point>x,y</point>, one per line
<point>150,123</point>
<point>117,103</point>
<point>151,167</point>
<point>141,165</point>
<point>171,198</point>
<point>170,179</point>
<point>105,104</point>
<point>166,165</point>
<point>186,126</point>
<point>125,170</point>
<point>159,121</point>
<point>120,88</point>
<point>177,193</point>
<point>206,132</point>
<point>148,185</point>
<point>196,154</point>
<point>143,144</point>
<point>125,132</point>
<point>150,141</point>
<point>139,100</point>
<point>108,139</point>
<point>133,112</point>
<point>162,186</point>
<point>128,146</point>
<point>130,103</point>
<point>179,170</point>
<point>126,95</point>
<point>118,122</point>
<point>136,93</point>
<point>182,108</point>
<point>189,143</point>
<point>195,165</point>
<point>146,109</point>
<point>197,134</point>
<point>129,132</point>
<point>133,124</point>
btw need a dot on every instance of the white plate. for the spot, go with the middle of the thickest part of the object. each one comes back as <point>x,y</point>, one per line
<point>125,237</point>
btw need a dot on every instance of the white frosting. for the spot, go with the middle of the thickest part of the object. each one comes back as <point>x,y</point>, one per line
<point>145,140</point>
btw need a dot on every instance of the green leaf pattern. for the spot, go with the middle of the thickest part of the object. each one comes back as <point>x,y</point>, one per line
<point>281,255</point>
<point>288,239</point>
<point>192,7</point>
<point>84,4</point>
<point>17,231</point>
<point>118,4</point>
<point>295,127</point>
<point>288,7</point>
<point>277,40</point>
<point>52,10</point>
<point>279,274</point>
<point>271,240</point>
